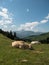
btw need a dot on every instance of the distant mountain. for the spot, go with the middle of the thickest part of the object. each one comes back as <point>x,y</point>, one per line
<point>42,36</point>
<point>23,34</point>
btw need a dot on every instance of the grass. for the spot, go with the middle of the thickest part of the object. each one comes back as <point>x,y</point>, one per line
<point>14,56</point>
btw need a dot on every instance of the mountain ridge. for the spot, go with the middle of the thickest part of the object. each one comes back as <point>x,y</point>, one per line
<point>38,37</point>
<point>23,34</point>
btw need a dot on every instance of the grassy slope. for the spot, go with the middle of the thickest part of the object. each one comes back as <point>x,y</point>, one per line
<point>13,56</point>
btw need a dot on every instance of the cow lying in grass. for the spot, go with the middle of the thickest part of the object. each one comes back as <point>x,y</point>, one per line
<point>21,44</point>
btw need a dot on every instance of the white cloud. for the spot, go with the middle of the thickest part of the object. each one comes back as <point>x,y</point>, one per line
<point>4,10</point>
<point>47,17</point>
<point>13,27</point>
<point>31,26</point>
<point>44,21</point>
<point>5,27</point>
<point>5,18</point>
<point>6,22</point>
<point>28,26</point>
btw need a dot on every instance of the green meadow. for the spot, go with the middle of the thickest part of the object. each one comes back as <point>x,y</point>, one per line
<point>15,56</point>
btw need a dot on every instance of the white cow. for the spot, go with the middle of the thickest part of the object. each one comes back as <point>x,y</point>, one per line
<point>35,42</point>
<point>17,44</point>
<point>21,44</point>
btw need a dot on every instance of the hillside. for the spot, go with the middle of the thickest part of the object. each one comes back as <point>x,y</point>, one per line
<point>15,56</point>
<point>38,37</point>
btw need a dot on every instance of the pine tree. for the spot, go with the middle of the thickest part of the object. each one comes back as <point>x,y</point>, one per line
<point>15,36</point>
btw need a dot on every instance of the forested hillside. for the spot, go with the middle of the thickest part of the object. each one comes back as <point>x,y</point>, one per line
<point>43,37</point>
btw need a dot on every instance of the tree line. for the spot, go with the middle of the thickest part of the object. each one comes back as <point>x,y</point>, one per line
<point>44,41</point>
<point>11,35</point>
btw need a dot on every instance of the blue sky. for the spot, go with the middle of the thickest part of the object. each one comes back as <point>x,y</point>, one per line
<point>28,15</point>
